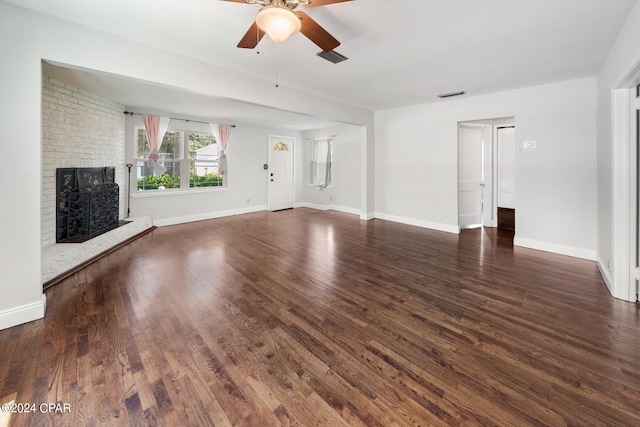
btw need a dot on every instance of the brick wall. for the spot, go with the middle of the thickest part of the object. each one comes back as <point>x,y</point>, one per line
<point>79,129</point>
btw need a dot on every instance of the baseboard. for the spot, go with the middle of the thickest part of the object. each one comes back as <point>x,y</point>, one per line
<point>345,209</point>
<point>554,248</point>
<point>23,314</point>
<point>606,274</point>
<point>447,228</point>
<point>207,215</point>
<point>337,208</point>
<point>312,206</point>
<point>367,216</point>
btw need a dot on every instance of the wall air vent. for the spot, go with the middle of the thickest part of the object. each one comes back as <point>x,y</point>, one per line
<point>332,56</point>
<point>449,95</point>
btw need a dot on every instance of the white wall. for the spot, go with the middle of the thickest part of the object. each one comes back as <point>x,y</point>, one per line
<point>613,158</point>
<point>79,129</point>
<point>416,163</point>
<point>346,193</point>
<point>26,38</point>
<point>21,80</point>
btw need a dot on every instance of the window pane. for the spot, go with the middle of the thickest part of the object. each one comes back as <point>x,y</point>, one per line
<point>202,161</point>
<point>171,144</point>
<point>171,147</point>
<point>148,181</point>
<point>204,174</point>
<point>202,147</point>
<point>143,145</point>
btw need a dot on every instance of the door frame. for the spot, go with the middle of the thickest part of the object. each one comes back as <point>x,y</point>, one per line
<point>487,166</point>
<point>636,193</point>
<point>619,271</point>
<point>491,164</point>
<point>293,167</point>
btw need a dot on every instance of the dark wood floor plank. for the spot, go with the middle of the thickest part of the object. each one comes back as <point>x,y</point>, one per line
<point>311,318</point>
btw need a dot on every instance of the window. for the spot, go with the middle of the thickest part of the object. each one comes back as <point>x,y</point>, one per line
<point>190,159</point>
<point>321,162</point>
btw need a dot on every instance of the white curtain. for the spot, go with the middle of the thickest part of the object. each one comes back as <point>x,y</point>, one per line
<point>221,133</point>
<point>321,162</point>
<point>214,131</point>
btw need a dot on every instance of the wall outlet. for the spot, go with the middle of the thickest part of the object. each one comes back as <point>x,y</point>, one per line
<point>248,200</point>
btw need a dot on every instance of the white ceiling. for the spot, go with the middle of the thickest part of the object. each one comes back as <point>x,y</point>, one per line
<point>143,96</point>
<point>401,52</point>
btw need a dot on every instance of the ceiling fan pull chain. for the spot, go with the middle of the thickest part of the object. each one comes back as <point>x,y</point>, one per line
<point>258,41</point>
<point>277,64</point>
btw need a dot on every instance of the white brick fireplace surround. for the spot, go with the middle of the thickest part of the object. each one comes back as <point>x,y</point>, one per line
<point>80,129</point>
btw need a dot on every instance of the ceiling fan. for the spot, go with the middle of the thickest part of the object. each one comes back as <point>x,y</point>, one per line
<point>278,19</point>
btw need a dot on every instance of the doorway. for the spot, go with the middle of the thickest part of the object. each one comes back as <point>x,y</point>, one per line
<point>505,137</point>
<point>637,191</point>
<point>280,184</point>
<point>486,173</point>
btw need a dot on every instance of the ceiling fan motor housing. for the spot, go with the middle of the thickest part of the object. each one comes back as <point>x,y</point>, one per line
<point>279,22</point>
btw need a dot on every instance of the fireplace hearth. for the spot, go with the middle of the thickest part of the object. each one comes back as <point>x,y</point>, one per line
<point>88,203</point>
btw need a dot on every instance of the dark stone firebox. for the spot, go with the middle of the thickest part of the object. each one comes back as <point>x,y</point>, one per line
<point>88,203</point>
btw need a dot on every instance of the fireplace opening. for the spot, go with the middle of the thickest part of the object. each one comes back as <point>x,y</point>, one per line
<point>88,203</point>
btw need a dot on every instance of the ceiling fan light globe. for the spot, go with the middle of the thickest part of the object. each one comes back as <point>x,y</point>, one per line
<point>278,22</point>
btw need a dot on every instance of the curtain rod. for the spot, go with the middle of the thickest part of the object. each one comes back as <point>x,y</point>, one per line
<point>131,113</point>
<point>320,137</point>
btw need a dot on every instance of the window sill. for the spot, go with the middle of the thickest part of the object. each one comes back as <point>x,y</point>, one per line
<point>164,193</point>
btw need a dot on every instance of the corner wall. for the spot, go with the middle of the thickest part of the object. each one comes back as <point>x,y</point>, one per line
<point>21,79</point>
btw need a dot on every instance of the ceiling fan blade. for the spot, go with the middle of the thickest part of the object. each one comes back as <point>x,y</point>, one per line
<point>314,32</point>
<point>315,3</point>
<point>251,37</point>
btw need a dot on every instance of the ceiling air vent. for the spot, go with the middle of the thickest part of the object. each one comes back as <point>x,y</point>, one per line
<point>332,56</point>
<point>449,95</point>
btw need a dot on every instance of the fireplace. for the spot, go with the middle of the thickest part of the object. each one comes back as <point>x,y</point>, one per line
<point>88,203</point>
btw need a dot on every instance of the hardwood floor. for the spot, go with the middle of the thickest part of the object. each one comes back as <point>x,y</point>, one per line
<point>313,318</point>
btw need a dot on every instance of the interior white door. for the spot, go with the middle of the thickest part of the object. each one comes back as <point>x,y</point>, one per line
<point>280,173</point>
<point>470,176</point>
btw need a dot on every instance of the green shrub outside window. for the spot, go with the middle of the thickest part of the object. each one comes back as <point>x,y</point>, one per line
<point>150,182</point>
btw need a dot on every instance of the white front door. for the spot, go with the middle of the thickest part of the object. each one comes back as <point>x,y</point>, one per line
<point>280,173</point>
<point>470,176</point>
